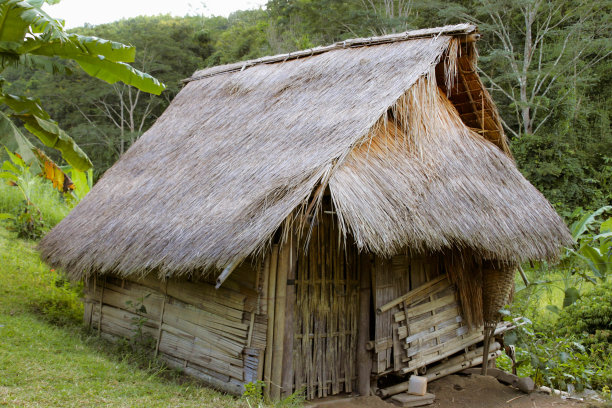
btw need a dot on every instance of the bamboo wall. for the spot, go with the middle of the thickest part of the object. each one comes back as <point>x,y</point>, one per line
<point>292,320</point>
<point>216,335</point>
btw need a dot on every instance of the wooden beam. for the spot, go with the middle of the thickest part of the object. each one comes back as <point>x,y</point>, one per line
<point>226,273</point>
<point>469,38</point>
<point>469,94</point>
<point>435,284</point>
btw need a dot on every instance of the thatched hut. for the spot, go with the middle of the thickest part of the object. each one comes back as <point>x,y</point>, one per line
<point>316,220</point>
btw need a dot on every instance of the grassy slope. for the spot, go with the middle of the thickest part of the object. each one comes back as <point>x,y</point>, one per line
<point>46,359</point>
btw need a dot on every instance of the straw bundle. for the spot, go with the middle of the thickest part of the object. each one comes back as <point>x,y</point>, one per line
<point>466,275</point>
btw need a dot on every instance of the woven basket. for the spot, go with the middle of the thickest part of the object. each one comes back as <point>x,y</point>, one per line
<point>497,288</point>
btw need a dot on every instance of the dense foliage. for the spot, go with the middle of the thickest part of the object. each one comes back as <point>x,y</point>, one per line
<point>590,315</point>
<point>571,351</point>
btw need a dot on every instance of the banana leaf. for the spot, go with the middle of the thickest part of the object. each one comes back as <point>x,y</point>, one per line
<point>112,72</point>
<point>37,121</point>
<point>76,46</point>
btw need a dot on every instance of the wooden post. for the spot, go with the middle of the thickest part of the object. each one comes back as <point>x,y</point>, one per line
<point>161,317</point>
<point>364,357</point>
<point>262,309</point>
<point>92,295</point>
<point>271,290</point>
<point>101,300</point>
<point>279,321</point>
<point>488,333</point>
<point>287,377</point>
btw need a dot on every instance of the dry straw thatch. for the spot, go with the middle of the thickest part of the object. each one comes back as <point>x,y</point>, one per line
<point>239,150</point>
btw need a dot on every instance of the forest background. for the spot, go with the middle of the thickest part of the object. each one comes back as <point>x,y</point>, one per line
<point>545,62</point>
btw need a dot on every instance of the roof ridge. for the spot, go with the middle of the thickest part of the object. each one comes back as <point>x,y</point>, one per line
<point>454,30</point>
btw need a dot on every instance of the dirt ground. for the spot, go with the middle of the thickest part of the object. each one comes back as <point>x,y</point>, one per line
<point>465,391</point>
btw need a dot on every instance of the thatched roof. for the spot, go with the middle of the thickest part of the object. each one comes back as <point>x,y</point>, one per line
<point>241,149</point>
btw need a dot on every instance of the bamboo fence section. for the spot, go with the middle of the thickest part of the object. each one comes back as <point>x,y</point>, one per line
<point>419,318</point>
<point>395,281</point>
<point>216,335</point>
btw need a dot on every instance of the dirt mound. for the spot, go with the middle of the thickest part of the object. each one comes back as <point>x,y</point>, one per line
<point>476,391</point>
<point>464,391</point>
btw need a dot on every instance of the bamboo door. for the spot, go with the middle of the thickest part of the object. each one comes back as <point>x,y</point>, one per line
<point>326,314</point>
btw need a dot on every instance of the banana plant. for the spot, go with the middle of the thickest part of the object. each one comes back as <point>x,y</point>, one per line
<point>30,37</point>
<point>17,173</point>
<point>591,257</point>
<point>594,242</point>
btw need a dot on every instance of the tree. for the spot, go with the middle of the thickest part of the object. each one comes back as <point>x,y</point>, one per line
<point>539,51</point>
<point>31,38</point>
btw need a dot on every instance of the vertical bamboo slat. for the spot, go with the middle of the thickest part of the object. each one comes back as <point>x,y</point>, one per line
<point>279,320</point>
<point>271,317</point>
<point>161,317</point>
<point>263,297</point>
<point>288,341</point>
<point>101,301</point>
<point>364,359</point>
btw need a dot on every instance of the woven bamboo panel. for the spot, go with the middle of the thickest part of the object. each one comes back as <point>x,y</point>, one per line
<point>327,293</point>
<point>391,278</point>
<point>216,335</point>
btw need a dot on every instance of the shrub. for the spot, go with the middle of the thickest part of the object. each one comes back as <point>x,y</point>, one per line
<point>552,360</point>
<point>590,317</point>
<point>589,314</point>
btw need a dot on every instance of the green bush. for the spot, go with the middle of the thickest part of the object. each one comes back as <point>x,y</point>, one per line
<point>589,314</point>
<point>550,359</point>
<point>590,317</point>
<point>574,349</point>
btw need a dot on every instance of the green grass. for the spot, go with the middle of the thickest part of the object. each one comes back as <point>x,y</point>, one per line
<point>48,360</point>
